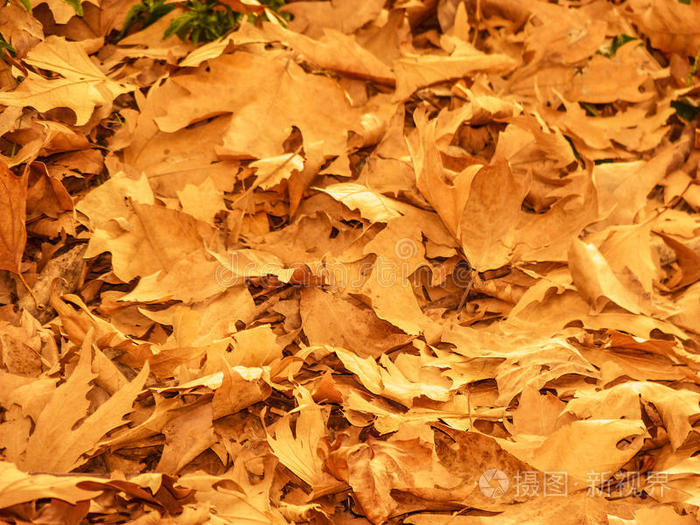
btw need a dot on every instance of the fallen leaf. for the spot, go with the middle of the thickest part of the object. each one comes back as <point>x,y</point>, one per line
<point>55,445</point>
<point>13,234</point>
<point>81,87</point>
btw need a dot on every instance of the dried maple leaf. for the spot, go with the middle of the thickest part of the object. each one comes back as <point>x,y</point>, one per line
<point>291,97</point>
<point>491,213</point>
<point>596,281</point>
<point>421,71</point>
<point>372,206</point>
<point>402,383</point>
<point>392,298</point>
<point>57,444</point>
<point>154,238</point>
<point>344,15</point>
<point>81,87</point>
<point>537,364</point>
<point>338,321</point>
<point>581,448</point>
<point>13,235</point>
<point>336,51</point>
<point>19,487</point>
<point>678,408</point>
<point>620,242</point>
<point>299,452</point>
<point>188,433</point>
<point>448,200</point>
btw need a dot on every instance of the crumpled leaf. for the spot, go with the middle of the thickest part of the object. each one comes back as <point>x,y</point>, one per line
<point>372,206</point>
<point>597,282</point>
<point>679,408</point>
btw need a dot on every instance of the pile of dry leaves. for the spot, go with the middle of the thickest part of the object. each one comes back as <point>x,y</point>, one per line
<point>411,261</point>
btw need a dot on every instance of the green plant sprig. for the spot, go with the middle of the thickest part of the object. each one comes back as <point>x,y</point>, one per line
<point>142,15</point>
<point>200,20</point>
<point>203,21</point>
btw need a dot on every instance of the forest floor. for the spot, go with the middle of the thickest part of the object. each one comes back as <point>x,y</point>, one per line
<point>412,261</point>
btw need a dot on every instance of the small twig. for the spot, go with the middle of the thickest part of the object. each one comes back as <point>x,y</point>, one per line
<point>39,306</point>
<point>465,295</point>
<point>469,406</point>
